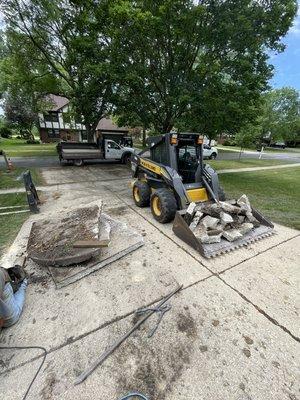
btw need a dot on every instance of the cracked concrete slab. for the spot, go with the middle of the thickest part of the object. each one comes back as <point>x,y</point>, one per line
<point>211,345</point>
<point>149,272</point>
<point>272,282</point>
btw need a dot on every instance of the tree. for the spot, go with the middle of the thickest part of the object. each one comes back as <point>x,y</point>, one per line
<point>23,83</point>
<point>280,117</point>
<point>70,41</point>
<point>181,58</point>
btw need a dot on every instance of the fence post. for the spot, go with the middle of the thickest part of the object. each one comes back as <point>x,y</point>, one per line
<point>32,196</point>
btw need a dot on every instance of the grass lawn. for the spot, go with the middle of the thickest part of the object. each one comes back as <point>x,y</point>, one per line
<point>11,224</point>
<point>243,163</point>
<point>14,178</point>
<point>222,149</point>
<point>275,193</point>
<point>19,148</point>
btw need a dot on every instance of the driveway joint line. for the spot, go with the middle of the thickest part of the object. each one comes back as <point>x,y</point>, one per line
<point>264,313</point>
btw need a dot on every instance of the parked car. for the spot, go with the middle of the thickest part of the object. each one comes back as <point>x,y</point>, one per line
<point>280,145</point>
<point>210,152</point>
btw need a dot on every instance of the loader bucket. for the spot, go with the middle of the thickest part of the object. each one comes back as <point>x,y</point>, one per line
<point>182,230</point>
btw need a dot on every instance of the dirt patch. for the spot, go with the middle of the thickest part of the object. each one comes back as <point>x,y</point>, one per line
<point>149,369</point>
<point>116,211</point>
<point>152,366</point>
<point>52,240</point>
<point>47,391</point>
<point>186,324</point>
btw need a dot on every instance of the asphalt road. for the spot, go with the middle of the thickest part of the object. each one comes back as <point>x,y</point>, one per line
<point>224,155</point>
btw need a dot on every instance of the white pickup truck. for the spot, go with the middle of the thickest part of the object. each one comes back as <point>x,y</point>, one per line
<point>105,149</point>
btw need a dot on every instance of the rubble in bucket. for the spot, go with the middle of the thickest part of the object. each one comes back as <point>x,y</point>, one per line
<point>230,220</point>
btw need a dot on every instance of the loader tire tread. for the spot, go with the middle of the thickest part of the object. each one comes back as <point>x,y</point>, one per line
<point>141,194</point>
<point>168,205</point>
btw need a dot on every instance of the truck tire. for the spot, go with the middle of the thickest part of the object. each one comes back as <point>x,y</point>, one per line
<point>141,194</point>
<point>163,205</point>
<point>127,159</point>
<point>213,156</point>
<point>78,162</point>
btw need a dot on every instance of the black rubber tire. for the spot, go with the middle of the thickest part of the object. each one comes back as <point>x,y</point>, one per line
<point>127,159</point>
<point>168,205</point>
<point>213,156</point>
<point>222,195</point>
<point>144,193</point>
<point>78,162</point>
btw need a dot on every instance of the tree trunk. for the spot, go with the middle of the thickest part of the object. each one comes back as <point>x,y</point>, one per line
<point>240,155</point>
<point>144,136</point>
<point>167,127</point>
<point>90,133</point>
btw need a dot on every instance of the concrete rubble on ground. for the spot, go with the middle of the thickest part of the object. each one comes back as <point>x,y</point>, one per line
<point>230,220</point>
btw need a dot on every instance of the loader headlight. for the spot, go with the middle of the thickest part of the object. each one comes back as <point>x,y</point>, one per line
<point>174,138</point>
<point>200,139</point>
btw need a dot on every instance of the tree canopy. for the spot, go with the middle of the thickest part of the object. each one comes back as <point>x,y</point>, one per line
<point>163,64</point>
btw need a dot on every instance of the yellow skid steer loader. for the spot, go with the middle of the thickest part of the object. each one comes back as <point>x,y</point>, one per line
<point>172,178</point>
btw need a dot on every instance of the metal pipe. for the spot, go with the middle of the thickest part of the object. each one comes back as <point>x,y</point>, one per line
<point>111,349</point>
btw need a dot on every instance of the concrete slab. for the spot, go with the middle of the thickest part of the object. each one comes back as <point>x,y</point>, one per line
<point>272,282</point>
<point>211,345</point>
<point>114,291</point>
<point>68,174</point>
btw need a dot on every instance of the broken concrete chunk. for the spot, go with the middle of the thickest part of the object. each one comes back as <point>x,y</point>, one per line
<point>190,213</point>
<point>214,232</point>
<point>196,219</point>
<point>252,219</point>
<point>211,239</point>
<point>191,208</point>
<point>104,232</point>
<point>200,231</point>
<point>232,234</point>
<point>231,201</point>
<point>210,222</point>
<point>245,228</point>
<point>229,208</point>
<point>225,218</point>
<point>241,219</point>
<point>244,203</point>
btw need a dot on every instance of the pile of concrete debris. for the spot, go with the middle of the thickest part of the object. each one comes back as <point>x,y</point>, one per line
<point>230,219</point>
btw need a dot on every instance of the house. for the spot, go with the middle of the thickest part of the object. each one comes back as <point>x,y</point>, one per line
<point>56,123</point>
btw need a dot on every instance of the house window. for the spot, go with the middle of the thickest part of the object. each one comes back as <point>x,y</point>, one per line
<point>84,136</point>
<point>51,117</point>
<point>53,133</point>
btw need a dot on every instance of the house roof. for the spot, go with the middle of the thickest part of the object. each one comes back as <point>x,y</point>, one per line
<point>58,102</point>
<point>106,124</point>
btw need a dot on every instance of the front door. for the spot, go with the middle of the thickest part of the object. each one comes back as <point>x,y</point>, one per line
<point>112,150</point>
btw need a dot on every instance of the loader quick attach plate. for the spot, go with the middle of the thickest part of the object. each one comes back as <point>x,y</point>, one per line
<point>182,230</point>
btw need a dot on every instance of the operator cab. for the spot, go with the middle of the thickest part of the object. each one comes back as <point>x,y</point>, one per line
<point>181,152</point>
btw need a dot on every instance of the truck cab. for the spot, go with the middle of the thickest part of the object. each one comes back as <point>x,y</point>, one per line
<point>107,147</point>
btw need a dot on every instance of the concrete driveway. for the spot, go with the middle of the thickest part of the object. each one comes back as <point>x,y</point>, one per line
<point>232,332</point>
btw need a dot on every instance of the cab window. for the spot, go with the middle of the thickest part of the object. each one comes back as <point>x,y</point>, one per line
<point>113,145</point>
<point>159,154</point>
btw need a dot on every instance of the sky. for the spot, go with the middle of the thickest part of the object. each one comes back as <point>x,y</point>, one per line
<point>287,64</point>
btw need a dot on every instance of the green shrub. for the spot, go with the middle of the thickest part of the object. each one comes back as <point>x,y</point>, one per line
<point>5,132</point>
<point>229,142</point>
<point>32,141</point>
